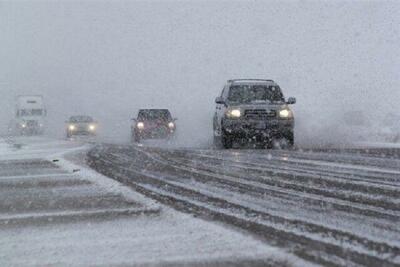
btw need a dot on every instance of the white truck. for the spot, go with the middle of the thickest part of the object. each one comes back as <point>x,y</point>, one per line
<point>30,115</point>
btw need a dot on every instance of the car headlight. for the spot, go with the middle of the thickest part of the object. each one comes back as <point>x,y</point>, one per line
<point>140,125</point>
<point>71,127</point>
<point>23,125</point>
<point>92,127</point>
<point>285,113</point>
<point>233,113</point>
<point>171,125</point>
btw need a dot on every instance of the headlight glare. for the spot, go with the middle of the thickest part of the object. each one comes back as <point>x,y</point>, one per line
<point>140,125</point>
<point>71,127</point>
<point>92,127</point>
<point>234,113</point>
<point>285,113</point>
<point>171,125</point>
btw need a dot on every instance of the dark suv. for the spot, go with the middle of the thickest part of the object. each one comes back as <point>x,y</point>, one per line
<point>153,124</point>
<point>252,110</point>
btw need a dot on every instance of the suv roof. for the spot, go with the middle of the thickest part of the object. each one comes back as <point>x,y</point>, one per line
<point>243,81</point>
<point>151,109</point>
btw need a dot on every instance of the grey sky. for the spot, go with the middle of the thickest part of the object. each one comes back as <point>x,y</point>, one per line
<point>111,58</point>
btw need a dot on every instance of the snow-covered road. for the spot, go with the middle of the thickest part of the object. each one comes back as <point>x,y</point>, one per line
<point>56,211</point>
<point>336,208</point>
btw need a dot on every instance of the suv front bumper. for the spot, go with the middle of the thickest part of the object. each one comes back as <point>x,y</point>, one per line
<point>244,128</point>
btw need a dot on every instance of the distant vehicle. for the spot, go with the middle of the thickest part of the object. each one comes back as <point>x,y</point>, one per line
<point>153,124</point>
<point>390,128</point>
<point>252,110</point>
<point>356,126</point>
<point>81,125</point>
<point>30,115</point>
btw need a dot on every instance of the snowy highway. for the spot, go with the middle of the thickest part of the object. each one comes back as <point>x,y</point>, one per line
<point>55,211</point>
<point>334,208</point>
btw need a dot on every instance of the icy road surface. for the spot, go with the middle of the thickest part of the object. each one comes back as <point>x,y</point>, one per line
<point>333,208</point>
<point>55,211</point>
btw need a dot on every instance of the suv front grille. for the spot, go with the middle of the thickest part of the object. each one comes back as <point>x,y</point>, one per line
<point>259,114</point>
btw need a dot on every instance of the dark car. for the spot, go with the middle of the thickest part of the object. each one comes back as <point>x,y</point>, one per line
<point>153,124</point>
<point>252,110</point>
<point>81,125</point>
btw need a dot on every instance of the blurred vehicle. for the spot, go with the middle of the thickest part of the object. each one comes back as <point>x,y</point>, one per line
<point>390,128</point>
<point>153,124</point>
<point>81,125</point>
<point>30,115</point>
<point>253,110</point>
<point>356,126</point>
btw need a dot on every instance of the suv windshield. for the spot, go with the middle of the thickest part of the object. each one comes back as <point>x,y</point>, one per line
<point>255,93</point>
<point>81,119</point>
<point>154,114</point>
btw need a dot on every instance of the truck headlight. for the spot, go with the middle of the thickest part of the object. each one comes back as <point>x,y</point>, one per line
<point>92,127</point>
<point>71,127</point>
<point>233,113</point>
<point>140,125</point>
<point>285,113</point>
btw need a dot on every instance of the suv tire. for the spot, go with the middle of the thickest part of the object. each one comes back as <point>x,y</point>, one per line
<point>226,141</point>
<point>135,138</point>
<point>217,142</point>
<point>290,139</point>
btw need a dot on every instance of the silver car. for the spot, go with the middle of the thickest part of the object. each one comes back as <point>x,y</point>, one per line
<point>81,125</point>
<point>253,110</point>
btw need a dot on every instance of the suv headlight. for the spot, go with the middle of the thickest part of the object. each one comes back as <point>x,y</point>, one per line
<point>285,113</point>
<point>233,113</point>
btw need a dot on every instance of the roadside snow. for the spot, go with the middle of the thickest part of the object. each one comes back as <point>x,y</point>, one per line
<point>19,148</point>
<point>171,237</point>
<point>377,145</point>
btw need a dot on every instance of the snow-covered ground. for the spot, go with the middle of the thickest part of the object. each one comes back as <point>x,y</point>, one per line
<point>56,211</point>
<point>377,145</point>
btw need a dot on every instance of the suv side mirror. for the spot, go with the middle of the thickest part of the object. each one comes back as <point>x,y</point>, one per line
<point>291,100</point>
<point>219,100</point>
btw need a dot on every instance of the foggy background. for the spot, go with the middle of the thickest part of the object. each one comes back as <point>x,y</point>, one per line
<point>108,59</point>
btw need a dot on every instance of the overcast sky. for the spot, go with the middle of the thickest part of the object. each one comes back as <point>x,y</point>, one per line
<point>110,58</point>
